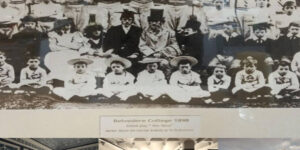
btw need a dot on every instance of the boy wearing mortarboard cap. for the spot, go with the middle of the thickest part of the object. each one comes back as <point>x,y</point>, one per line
<point>288,44</point>
<point>283,82</point>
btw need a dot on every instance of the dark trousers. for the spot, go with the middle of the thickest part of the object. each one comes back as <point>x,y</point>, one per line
<point>241,94</point>
<point>220,94</point>
<point>41,90</point>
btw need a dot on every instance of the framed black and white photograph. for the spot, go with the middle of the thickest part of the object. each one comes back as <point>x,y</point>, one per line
<point>89,54</point>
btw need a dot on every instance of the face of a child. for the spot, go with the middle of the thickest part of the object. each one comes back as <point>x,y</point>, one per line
<point>219,4</point>
<point>294,30</point>
<point>289,10</point>
<point>117,68</point>
<point>80,68</point>
<point>260,33</point>
<point>2,59</point>
<point>151,68</point>
<point>282,70</point>
<point>185,68</point>
<point>30,25</point>
<point>219,72</point>
<point>261,3</point>
<point>33,63</point>
<point>249,68</point>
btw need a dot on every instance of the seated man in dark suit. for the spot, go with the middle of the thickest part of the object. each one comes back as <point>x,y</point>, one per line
<point>124,39</point>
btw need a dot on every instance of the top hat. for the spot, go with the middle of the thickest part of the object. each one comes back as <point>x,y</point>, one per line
<point>77,60</point>
<point>175,61</point>
<point>156,15</point>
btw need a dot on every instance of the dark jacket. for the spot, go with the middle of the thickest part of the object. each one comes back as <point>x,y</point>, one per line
<point>192,45</point>
<point>123,44</point>
<point>285,46</point>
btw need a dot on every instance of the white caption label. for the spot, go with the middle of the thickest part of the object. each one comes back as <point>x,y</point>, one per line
<point>150,126</point>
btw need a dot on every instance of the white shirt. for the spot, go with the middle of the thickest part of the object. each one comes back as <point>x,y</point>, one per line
<point>86,80</point>
<point>214,83</point>
<point>177,78</point>
<point>276,80</point>
<point>38,76</point>
<point>113,80</point>
<point>47,10</point>
<point>145,78</point>
<point>255,79</point>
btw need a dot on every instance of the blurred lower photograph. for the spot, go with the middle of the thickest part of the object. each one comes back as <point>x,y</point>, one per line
<point>259,144</point>
<point>158,144</point>
<point>49,144</point>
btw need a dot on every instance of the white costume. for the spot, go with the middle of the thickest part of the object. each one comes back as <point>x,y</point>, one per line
<point>215,84</point>
<point>47,10</point>
<point>186,86</point>
<point>35,78</point>
<point>278,83</point>
<point>119,85</point>
<point>151,85</point>
<point>78,84</point>
<point>248,82</point>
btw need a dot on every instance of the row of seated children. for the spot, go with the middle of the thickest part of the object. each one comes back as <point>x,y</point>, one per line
<point>184,84</point>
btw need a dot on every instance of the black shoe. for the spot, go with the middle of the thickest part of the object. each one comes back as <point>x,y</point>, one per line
<point>78,99</point>
<point>165,99</point>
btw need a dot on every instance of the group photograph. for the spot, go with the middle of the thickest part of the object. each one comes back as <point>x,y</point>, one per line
<point>82,54</point>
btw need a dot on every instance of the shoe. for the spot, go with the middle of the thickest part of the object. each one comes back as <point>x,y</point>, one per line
<point>279,97</point>
<point>208,101</point>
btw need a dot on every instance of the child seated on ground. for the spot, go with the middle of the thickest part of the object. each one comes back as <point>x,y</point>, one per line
<point>119,82</point>
<point>7,73</point>
<point>185,83</point>
<point>283,82</point>
<point>250,82</point>
<point>33,78</point>
<point>218,84</point>
<point>80,84</point>
<point>151,81</point>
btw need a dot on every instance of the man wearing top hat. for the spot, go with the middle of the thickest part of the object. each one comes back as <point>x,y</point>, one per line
<point>185,83</point>
<point>119,83</point>
<point>158,41</point>
<point>80,83</point>
<point>151,81</point>
<point>191,40</point>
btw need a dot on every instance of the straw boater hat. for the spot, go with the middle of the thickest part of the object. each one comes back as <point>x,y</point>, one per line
<point>249,60</point>
<point>77,60</point>
<point>148,60</point>
<point>122,60</point>
<point>174,62</point>
<point>219,65</point>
